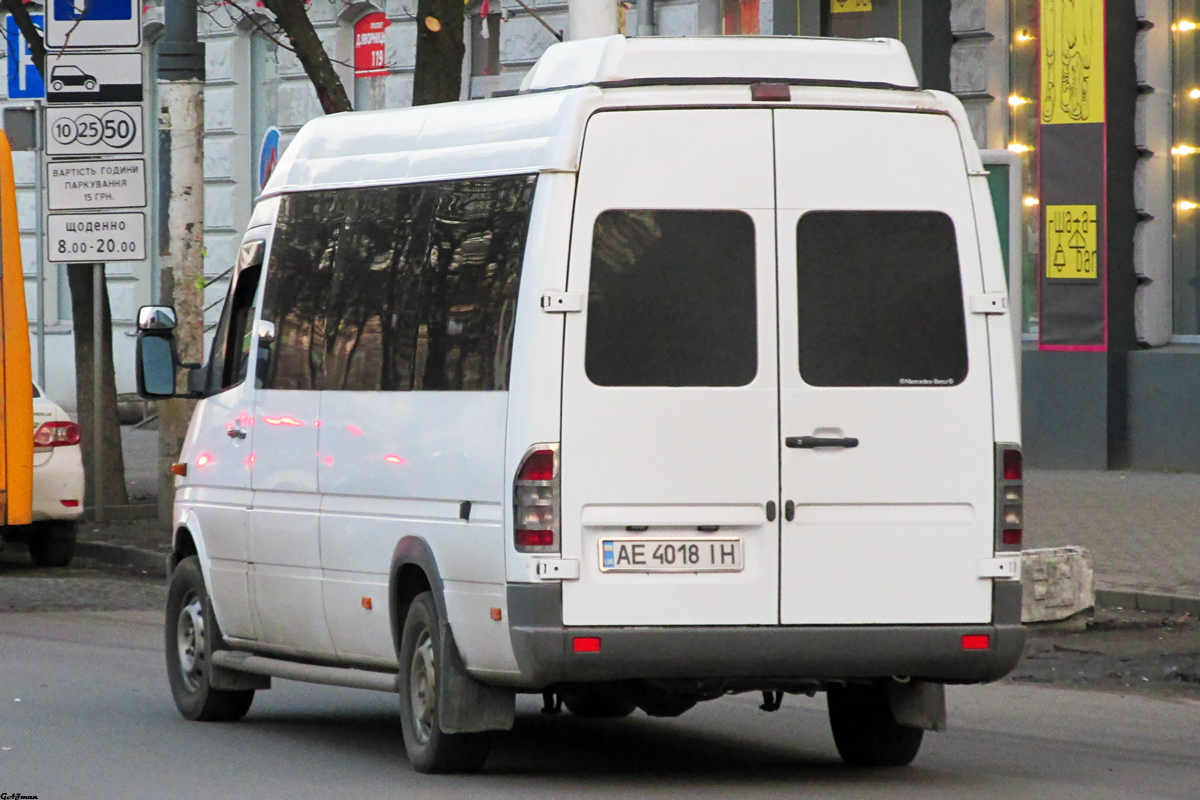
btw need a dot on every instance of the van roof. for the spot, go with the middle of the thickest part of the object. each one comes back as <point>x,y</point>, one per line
<point>617,61</point>
<point>542,128</point>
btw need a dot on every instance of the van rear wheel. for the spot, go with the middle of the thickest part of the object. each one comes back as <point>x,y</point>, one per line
<point>429,748</point>
<point>864,730</point>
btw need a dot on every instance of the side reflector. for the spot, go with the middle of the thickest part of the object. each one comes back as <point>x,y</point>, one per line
<point>974,641</point>
<point>587,644</point>
<point>70,503</point>
<point>179,469</point>
<point>771,92</point>
<point>366,603</point>
<point>1011,536</point>
<point>497,614</point>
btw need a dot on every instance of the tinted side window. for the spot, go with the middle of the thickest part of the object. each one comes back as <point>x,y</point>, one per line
<point>469,288</point>
<point>880,299</point>
<point>299,278</point>
<point>371,320</point>
<point>398,287</point>
<point>231,342</point>
<point>671,299</point>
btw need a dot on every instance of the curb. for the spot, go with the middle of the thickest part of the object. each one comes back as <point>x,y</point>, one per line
<point>1148,601</point>
<point>129,513</point>
<point>148,560</point>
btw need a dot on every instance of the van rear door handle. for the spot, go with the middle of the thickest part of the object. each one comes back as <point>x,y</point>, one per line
<point>236,433</point>
<point>809,442</point>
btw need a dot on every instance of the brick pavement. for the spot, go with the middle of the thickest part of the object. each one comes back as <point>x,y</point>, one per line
<point>1142,528</point>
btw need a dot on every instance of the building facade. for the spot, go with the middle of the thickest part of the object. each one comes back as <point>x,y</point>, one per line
<point>1111,360</point>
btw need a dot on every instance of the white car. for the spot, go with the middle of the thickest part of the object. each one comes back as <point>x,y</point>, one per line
<point>57,485</point>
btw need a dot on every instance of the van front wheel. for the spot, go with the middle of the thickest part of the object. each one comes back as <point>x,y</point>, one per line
<point>429,748</point>
<point>191,631</point>
<point>864,730</point>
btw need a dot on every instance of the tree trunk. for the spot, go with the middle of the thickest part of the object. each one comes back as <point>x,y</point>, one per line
<point>80,278</point>
<point>292,17</point>
<point>440,49</point>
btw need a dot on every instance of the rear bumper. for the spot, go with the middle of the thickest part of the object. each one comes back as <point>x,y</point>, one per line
<point>545,655</point>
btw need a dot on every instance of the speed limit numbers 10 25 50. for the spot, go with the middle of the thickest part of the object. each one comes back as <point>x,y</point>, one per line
<point>93,130</point>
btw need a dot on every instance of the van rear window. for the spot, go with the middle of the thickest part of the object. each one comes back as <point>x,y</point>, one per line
<point>880,299</point>
<point>671,299</point>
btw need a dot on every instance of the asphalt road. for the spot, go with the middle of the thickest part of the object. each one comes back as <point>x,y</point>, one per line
<point>85,713</point>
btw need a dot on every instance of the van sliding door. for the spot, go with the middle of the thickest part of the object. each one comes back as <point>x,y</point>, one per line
<point>885,389</point>
<point>669,428</point>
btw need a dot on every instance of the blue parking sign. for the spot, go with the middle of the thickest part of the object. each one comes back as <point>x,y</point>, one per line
<point>72,10</point>
<point>24,81</point>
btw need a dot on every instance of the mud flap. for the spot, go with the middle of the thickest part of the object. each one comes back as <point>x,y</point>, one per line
<point>466,705</point>
<point>918,704</point>
<point>222,677</point>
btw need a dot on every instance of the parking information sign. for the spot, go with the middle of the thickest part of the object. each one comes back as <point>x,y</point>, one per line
<point>93,23</point>
<point>93,77</point>
<point>96,237</point>
<point>24,80</point>
<point>97,184</point>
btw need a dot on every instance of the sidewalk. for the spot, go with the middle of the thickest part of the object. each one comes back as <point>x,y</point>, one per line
<point>1142,528</point>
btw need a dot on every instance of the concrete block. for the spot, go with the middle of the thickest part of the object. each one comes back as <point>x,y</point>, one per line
<point>1163,603</point>
<point>1057,582</point>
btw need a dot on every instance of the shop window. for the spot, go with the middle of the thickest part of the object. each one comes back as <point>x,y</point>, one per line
<point>1023,105</point>
<point>740,17</point>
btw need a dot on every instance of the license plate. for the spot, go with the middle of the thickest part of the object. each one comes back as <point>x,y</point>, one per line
<point>671,555</point>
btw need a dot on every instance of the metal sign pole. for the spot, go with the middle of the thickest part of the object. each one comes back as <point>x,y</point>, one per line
<point>97,393</point>
<point>39,185</point>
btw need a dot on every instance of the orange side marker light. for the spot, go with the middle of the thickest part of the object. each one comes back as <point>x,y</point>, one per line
<point>179,469</point>
<point>497,615</point>
<point>366,603</point>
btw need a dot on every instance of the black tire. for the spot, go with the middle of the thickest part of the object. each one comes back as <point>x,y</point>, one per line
<point>430,749</point>
<point>57,86</point>
<point>864,730</point>
<point>190,631</point>
<point>599,702</point>
<point>52,544</point>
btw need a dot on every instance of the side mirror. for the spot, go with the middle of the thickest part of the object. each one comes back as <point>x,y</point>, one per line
<point>156,318</point>
<point>156,365</point>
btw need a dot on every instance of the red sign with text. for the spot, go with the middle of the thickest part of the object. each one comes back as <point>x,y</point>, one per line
<point>370,46</point>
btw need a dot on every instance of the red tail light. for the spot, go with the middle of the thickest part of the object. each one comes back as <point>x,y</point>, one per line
<point>1010,498</point>
<point>538,466</point>
<point>535,501</point>
<point>56,434</point>
<point>1012,465</point>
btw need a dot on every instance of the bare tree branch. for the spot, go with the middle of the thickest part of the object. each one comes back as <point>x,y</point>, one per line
<point>292,17</point>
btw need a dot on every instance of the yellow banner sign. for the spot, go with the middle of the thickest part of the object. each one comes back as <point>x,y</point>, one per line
<point>1072,51</point>
<point>850,6</point>
<point>1071,251</point>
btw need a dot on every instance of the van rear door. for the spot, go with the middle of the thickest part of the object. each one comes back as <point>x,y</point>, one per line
<point>669,451</point>
<point>885,389</point>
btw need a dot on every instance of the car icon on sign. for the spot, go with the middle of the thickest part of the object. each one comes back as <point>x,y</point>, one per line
<point>70,75</point>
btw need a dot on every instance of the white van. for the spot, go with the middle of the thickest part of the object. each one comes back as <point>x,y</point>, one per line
<point>687,371</point>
